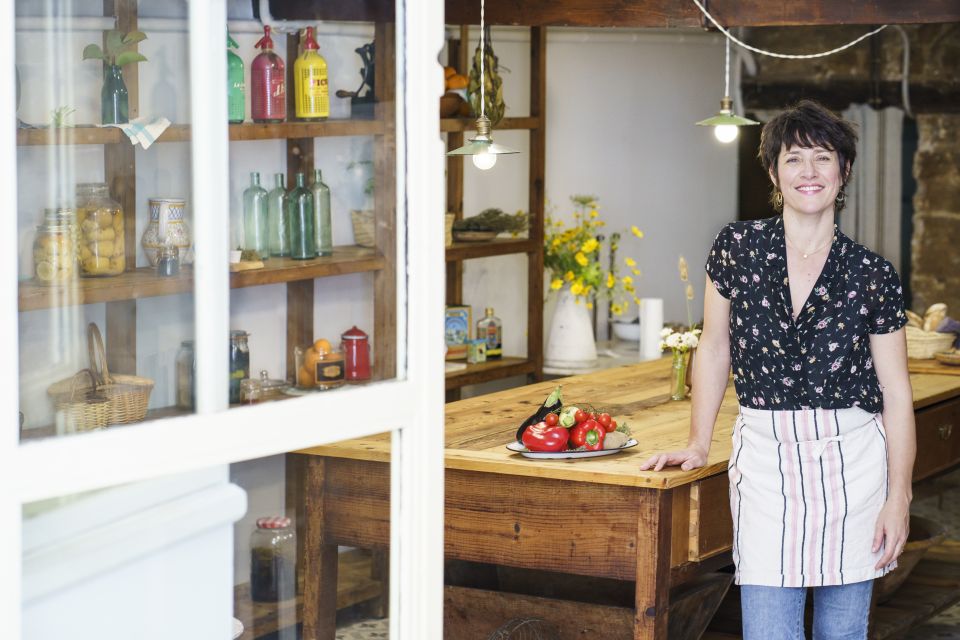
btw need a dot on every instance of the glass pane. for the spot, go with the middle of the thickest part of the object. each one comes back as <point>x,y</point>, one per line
<point>312,201</point>
<point>312,551</point>
<point>104,211</point>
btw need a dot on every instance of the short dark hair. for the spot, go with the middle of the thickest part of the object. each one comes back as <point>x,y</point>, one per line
<point>808,124</point>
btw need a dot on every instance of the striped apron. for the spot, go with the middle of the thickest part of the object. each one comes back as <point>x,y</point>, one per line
<point>806,488</point>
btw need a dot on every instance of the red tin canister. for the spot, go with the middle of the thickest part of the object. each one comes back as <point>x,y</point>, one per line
<point>356,350</point>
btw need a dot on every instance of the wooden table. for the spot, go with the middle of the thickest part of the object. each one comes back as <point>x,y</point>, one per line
<point>592,517</point>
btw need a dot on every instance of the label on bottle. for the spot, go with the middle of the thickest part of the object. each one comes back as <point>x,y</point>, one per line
<point>492,336</point>
<point>329,371</point>
<point>313,98</point>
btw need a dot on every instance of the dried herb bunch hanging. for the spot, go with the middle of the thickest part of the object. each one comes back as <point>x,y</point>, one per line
<point>494,106</point>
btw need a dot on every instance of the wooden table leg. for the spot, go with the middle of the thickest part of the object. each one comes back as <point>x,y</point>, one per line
<point>652,597</point>
<point>320,559</point>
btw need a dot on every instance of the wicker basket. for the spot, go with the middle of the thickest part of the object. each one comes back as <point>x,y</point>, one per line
<point>363,228</point>
<point>921,345</point>
<point>94,398</point>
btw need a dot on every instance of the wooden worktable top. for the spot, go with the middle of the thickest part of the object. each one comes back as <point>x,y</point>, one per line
<point>478,429</point>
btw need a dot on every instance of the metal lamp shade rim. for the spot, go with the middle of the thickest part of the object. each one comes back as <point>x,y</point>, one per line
<point>726,118</point>
<point>476,147</point>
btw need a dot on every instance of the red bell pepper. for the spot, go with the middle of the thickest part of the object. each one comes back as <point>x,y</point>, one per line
<point>578,435</point>
<point>540,437</point>
<point>594,437</point>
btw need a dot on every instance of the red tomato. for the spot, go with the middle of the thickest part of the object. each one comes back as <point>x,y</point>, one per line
<point>604,420</point>
<point>552,419</point>
<point>580,416</point>
<point>613,425</point>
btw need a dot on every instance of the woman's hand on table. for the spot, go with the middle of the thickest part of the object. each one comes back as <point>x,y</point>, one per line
<point>687,459</point>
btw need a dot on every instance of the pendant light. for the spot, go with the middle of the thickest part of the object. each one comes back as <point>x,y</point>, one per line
<point>482,148</point>
<point>726,123</point>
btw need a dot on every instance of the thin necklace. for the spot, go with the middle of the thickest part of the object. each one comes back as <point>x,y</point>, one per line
<point>808,254</point>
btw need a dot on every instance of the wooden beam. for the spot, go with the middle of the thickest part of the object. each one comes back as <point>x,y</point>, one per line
<point>671,13</point>
<point>840,94</point>
<point>538,155</point>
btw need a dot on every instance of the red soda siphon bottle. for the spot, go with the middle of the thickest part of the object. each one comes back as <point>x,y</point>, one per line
<point>268,95</point>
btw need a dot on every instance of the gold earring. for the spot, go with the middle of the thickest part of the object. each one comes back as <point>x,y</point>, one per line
<point>841,198</point>
<point>778,199</point>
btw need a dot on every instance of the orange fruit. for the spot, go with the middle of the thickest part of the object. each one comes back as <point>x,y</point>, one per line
<point>449,71</point>
<point>305,378</point>
<point>322,346</point>
<point>457,81</point>
<point>310,359</point>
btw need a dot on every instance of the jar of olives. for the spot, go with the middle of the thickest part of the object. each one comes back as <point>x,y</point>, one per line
<point>101,224</point>
<point>54,248</point>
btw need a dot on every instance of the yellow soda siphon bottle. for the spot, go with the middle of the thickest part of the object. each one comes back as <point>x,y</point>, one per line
<point>311,96</point>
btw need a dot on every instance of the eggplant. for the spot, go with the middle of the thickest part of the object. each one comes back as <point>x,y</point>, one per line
<point>551,404</point>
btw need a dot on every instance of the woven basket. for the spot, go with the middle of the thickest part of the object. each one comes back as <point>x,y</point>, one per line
<point>363,229</point>
<point>94,398</point>
<point>950,357</point>
<point>921,345</point>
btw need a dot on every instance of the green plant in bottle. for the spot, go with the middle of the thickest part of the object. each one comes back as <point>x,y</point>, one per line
<point>278,232</point>
<point>321,207</point>
<point>300,221</point>
<point>118,50</point>
<point>236,100</point>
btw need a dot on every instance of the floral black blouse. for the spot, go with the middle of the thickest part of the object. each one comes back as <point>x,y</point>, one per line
<point>822,360</point>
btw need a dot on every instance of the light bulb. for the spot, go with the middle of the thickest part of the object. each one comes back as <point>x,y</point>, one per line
<point>484,161</point>
<point>726,132</point>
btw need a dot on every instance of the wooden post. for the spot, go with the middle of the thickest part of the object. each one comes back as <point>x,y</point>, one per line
<point>119,170</point>
<point>318,559</point>
<point>652,596</point>
<point>385,218</point>
<point>538,137</point>
<point>458,55</point>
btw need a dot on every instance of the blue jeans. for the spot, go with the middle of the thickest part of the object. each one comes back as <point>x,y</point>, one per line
<point>776,613</point>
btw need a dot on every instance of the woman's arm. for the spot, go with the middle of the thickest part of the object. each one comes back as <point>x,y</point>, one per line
<point>710,374</point>
<point>889,352</point>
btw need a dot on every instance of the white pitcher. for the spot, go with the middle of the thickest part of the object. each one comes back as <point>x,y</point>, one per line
<point>168,227</point>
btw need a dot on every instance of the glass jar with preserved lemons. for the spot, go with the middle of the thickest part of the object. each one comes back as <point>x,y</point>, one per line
<point>55,247</point>
<point>319,366</point>
<point>100,220</point>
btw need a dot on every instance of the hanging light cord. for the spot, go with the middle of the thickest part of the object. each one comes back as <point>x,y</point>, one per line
<point>726,75</point>
<point>788,56</point>
<point>483,54</point>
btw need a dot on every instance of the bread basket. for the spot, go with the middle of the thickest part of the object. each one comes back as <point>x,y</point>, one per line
<point>94,398</point>
<point>921,345</point>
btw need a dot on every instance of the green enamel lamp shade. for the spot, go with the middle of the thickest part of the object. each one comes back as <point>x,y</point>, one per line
<point>726,116</point>
<point>482,142</point>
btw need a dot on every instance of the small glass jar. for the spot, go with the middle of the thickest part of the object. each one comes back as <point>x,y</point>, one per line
<point>168,264</point>
<point>186,375</point>
<point>250,391</point>
<point>54,252</point>
<point>101,231</point>
<point>239,362</point>
<point>273,560</point>
<point>319,366</point>
<point>270,389</point>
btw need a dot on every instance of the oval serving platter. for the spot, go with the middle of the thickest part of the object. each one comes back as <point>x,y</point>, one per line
<point>516,447</point>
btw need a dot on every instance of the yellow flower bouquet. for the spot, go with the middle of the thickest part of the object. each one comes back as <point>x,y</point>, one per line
<point>573,256</point>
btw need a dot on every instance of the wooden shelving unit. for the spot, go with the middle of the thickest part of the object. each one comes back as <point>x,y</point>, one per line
<point>145,283</point>
<point>531,365</point>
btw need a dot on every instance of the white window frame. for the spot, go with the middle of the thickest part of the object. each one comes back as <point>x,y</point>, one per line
<point>411,407</point>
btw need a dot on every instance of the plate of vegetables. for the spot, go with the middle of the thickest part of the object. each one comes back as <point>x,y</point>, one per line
<point>556,431</point>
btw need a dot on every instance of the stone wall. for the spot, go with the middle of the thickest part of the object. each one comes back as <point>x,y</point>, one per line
<point>936,217</point>
<point>935,89</point>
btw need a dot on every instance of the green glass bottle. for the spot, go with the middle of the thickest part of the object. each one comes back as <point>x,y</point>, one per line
<point>278,232</point>
<point>321,208</point>
<point>255,219</point>
<point>113,96</point>
<point>300,221</point>
<point>236,101</point>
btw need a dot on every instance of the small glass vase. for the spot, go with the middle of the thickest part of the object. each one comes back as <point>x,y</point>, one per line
<point>678,375</point>
<point>113,96</point>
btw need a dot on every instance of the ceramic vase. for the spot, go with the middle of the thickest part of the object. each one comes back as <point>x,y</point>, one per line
<point>571,345</point>
<point>168,227</point>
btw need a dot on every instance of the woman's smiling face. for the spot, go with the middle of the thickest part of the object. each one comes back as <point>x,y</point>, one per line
<point>809,178</point>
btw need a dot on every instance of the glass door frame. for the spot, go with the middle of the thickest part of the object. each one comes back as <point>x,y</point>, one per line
<point>410,407</point>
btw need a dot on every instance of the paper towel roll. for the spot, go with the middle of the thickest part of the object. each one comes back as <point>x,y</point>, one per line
<point>651,322</point>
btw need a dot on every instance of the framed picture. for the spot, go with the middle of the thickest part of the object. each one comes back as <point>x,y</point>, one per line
<point>457,331</point>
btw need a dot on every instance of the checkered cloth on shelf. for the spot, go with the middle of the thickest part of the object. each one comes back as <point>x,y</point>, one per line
<point>143,131</point>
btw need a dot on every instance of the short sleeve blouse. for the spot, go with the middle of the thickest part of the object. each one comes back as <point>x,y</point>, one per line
<point>822,359</point>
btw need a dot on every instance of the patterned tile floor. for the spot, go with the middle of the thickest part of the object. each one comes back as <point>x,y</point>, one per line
<point>944,508</point>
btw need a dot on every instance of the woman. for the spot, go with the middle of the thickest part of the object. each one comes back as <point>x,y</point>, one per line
<point>823,448</point>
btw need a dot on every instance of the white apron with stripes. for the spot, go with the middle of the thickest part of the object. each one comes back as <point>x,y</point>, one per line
<point>806,487</point>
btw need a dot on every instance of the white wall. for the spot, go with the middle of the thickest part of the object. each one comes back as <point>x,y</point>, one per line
<point>621,108</point>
